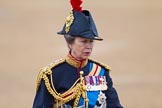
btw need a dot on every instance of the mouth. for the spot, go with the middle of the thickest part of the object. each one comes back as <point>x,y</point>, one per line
<point>87,53</point>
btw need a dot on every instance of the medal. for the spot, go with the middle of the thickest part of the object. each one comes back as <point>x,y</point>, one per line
<point>95,83</point>
<point>88,87</point>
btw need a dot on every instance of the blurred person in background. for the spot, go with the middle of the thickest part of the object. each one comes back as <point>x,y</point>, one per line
<point>76,81</point>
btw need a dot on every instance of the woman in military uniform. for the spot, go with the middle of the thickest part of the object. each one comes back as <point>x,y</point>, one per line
<point>76,81</point>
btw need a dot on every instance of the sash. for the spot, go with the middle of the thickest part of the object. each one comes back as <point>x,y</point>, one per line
<point>96,71</point>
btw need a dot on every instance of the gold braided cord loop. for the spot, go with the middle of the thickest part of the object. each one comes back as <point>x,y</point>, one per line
<point>75,92</point>
<point>77,98</point>
<point>56,95</point>
<point>101,64</point>
<point>39,78</point>
<point>43,70</point>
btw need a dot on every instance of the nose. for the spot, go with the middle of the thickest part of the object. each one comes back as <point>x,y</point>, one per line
<point>89,45</point>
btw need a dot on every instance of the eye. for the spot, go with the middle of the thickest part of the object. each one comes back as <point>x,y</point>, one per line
<point>91,41</point>
<point>84,41</point>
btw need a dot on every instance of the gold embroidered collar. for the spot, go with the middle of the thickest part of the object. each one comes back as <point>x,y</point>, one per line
<point>76,63</point>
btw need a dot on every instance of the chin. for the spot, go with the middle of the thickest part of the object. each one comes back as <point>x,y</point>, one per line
<point>86,56</point>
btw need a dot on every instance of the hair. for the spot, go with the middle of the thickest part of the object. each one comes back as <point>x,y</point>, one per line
<point>69,40</point>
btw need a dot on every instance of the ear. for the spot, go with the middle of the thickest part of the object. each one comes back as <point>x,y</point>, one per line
<point>70,46</point>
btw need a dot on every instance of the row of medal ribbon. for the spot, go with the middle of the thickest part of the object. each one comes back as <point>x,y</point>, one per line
<point>95,83</point>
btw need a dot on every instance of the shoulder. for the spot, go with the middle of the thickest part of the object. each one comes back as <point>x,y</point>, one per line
<point>55,63</point>
<point>46,70</point>
<point>106,67</point>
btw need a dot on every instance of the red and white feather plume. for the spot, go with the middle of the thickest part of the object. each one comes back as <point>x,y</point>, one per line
<point>76,5</point>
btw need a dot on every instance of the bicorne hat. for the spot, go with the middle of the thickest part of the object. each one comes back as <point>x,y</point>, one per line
<point>80,23</point>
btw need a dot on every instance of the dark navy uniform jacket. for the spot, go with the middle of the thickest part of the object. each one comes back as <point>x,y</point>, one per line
<point>64,75</point>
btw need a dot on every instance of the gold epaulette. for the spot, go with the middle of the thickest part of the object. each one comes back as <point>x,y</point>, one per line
<point>47,71</point>
<point>101,64</point>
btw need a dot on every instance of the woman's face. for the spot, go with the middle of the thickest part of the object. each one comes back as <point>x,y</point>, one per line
<point>81,48</point>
